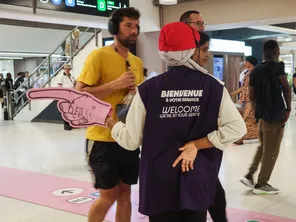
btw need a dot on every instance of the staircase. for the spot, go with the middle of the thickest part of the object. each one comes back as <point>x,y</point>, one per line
<point>47,74</point>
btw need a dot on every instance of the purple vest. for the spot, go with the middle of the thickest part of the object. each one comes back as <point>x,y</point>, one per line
<point>181,105</point>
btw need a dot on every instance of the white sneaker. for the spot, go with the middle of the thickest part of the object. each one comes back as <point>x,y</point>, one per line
<point>265,190</point>
<point>247,182</point>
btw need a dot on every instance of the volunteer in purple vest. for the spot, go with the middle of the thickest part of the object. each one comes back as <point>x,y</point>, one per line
<point>196,21</point>
<point>183,119</point>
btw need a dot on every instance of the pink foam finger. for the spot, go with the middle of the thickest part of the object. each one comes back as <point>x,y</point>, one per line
<point>54,93</point>
<point>91,110</point>
<point>73,117</point>
<point>64,107</point>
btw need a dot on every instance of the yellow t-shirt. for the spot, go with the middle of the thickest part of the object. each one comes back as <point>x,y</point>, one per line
<point>102,66</point>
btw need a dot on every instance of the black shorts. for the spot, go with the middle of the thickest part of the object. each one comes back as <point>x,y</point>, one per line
<point>110,164</point>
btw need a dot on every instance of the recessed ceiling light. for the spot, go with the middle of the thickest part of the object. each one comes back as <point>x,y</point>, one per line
<point>168,2</point>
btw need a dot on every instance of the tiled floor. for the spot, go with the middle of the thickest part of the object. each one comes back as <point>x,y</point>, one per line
<point>45,149</point>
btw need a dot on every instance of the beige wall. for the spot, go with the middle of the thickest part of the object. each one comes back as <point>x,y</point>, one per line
<point>239,12</point>
<point>149,20</point>
<point>147,50</point>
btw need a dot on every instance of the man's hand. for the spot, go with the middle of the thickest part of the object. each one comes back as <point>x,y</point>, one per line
<point>78,108</point>
<point>126,80</point>
<point>287,115</point>
<point>188,155</point>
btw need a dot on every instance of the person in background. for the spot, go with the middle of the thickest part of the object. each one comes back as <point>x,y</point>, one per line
<point>194,19</point>
<point>19,90</point>
<point>247,106</point>
<point>294,82</point>
<point>74,38</point>
<point>26,81</point>
<point>179,194</point>
<point>1,90</point>
<point>244,71</point>
<point>110,73</point>
<point>249,63</point>
<point>67,81</point>
<point>26,85</point>
<point>218,208</point>
<point>268,82</point>
<point>7,85</point>
<point>8,82</point>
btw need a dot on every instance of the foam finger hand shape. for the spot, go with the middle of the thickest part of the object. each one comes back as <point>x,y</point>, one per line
<point>85,111</point>
<point>78,108</point>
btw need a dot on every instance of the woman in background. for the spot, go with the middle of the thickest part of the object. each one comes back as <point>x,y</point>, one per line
<point>248,109</point>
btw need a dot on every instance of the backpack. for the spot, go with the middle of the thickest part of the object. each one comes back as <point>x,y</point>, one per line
<point>18,82</point>
<point>273,107</point>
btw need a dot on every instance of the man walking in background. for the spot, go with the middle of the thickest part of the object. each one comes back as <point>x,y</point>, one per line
<point>268,82</point>
<point>67,81</point>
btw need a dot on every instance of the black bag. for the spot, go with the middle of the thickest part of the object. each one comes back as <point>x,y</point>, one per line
<point>273,108</point>
<point>18,82</point>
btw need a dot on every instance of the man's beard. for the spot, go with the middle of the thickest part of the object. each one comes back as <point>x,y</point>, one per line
<point>126,42</point>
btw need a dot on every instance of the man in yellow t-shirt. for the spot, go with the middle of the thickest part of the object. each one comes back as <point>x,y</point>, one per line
<point>110,73</point>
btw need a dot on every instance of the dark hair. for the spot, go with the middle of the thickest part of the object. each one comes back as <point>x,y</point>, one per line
<point>145,71</point>
<point>204,38</point>
<point>130,12</point>
<point>252,60</point>
<point>270,48</point>
<point>185,17</point>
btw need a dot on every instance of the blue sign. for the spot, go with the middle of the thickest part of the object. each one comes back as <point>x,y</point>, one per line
<point>56,2</point>
<point>70,3</point>
<point>88,7</point>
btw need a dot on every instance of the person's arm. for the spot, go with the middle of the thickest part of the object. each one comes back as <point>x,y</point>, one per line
<point>91,74</point>
<point>286,91</point>
<point>285,86</point>
<point>101,91</point>
<point>67,45</point>
<point>61,81</point>
<point>130,135</point>
<point>252,94</point>
<point>203,143</point>
<point>294,81</point>
<point>236,92</point>
<point>231,126</point>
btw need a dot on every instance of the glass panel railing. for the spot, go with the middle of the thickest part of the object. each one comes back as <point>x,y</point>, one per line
<point>51,65</point>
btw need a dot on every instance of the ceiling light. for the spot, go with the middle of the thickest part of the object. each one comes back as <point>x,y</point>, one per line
<point>10,58</point>
<point>19,54</point>
<point>168,2</point>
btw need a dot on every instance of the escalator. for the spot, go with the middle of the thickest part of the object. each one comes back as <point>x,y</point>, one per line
<point>46,74</point>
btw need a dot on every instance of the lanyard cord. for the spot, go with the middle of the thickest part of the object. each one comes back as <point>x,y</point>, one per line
<point>127,64</point>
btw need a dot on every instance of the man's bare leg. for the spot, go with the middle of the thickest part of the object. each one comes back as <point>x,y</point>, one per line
<point>124,206</point>
<point>101,206</point>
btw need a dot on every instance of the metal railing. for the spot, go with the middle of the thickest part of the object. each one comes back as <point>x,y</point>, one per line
<point>49,68</point>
